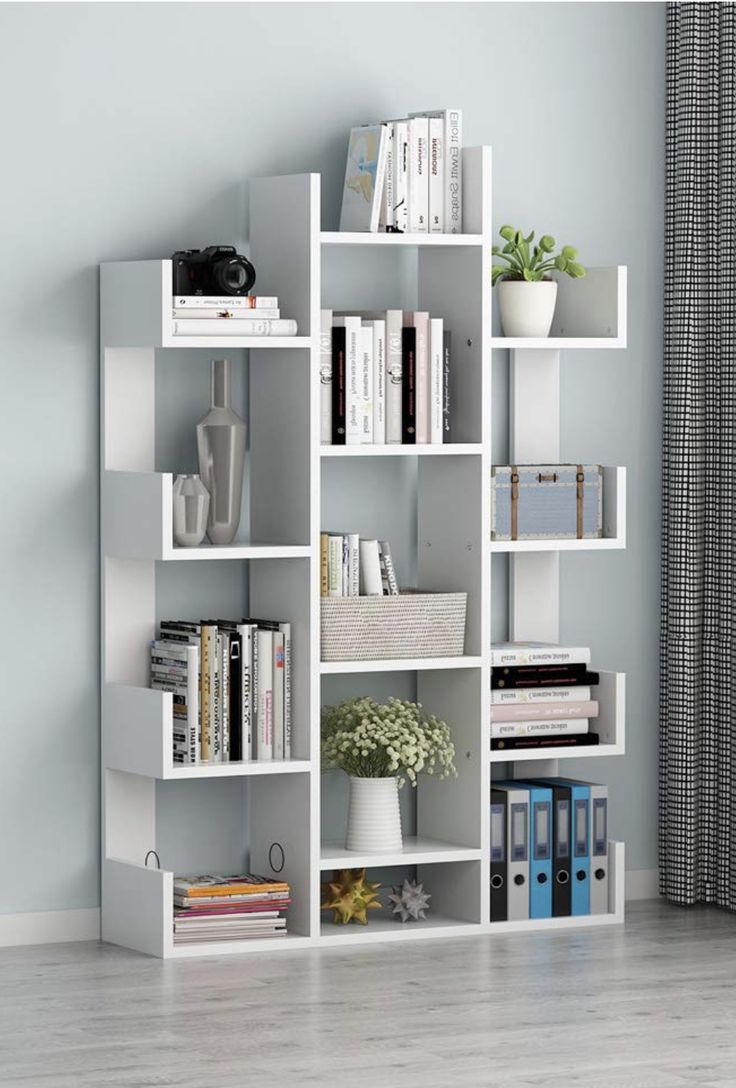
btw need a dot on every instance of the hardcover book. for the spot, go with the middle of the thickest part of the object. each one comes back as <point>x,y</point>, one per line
<point>364,178</point>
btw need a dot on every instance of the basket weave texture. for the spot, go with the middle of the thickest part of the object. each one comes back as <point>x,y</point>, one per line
<point>414,624</point>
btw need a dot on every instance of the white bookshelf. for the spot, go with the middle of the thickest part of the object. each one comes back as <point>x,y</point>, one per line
<point>288,471</point>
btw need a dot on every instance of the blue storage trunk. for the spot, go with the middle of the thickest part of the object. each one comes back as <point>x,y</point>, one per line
<point>544,502</point>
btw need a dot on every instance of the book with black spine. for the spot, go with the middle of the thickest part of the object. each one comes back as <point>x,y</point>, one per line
<point>338,385</point>
<point>408,385</point>
<point>575,740</point>
<point>446,392</point>
<point>537,676</point>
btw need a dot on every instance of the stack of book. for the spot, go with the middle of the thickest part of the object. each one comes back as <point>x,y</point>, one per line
<point>541,696</point>
<point>230,315</point>
<point>351,567</point>
<point>231,683</point>
<point>228,908</point>
<point>405,175</point>
<point>384,378</point>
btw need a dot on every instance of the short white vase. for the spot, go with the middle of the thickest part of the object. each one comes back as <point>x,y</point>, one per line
<point>374,820</point>
<point>191,503</point>
<point>526,309</point>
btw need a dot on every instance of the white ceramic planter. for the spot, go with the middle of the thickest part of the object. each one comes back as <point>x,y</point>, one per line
<point>526,309</point>
<point>374,820</point>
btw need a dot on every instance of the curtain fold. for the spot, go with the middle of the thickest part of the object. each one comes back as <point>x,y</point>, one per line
<point>697,706</point>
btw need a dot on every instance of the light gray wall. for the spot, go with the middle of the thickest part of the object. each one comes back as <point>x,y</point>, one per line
<point>129,131</point>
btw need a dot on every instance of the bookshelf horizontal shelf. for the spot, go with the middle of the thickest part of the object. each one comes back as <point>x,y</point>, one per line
<point>415,851</point>
<point>448,449</point>
<point>289,942</point>
<point>387,928</point>
<point>596,545</point>
<point>400,664</point>
<point>357,238</point>
<point>240,551</point>
<point>555,343</point>
<point>590,313</point>
<point>249,343</point>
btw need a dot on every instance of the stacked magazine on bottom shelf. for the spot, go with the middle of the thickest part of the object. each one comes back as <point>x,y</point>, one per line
<point>228,908</point>
<point>541,696</point>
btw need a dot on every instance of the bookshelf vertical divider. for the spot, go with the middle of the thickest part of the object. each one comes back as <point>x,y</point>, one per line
<point>451,849</point>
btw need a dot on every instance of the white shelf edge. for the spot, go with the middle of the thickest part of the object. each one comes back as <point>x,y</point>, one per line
<point>237,551</point>
<point>449,449</point>
<point>289,942</point>
<point>415,851</point>
<point>537,754</point>
<point>400,664</point>
<point>600,544</point>
<point>252,343</point>
<point>386,929</point>
<point>356,238</point>
<point>186,771</point>
<point>556,343</point>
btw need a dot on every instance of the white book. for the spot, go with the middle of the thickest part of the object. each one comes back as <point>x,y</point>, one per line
<point>386,219</point>
<point>513,654</point>
<point>246,630</point>
<point>388,573</point>
<point>325,377</point>
<point>285,629</point>
<point>366,385</point>
<point>364,177</point>
<point>401,176</point>
<point>219,302</point>
<point>370,569</point>
<point>515,696</point>
<point>453,144</point>
<point>345,567</point>
<point>436,380</point>
<point>264,748</point>
<point>225,694</point>
<point>192,704</point>
<point>334,566</point>
<point>278,694</point>
<point>352,543</point>
<point>353,383</point>
<point>379,381</point>
<point>225,313</point>
<point>394,374</point>
<point>215,327</point>
<point>418,175</point>
<point>436,175</point>
<point>553,727</point>
<point>420,320</point>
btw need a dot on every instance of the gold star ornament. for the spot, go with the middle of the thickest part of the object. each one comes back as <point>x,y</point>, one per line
<point>350,896</point>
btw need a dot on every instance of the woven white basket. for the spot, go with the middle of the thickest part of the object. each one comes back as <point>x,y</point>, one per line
<point>411,625</point>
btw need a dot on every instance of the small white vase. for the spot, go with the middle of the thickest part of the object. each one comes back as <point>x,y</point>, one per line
<point>191,503</point>
<point>374,820</point>
<point>526,309</point>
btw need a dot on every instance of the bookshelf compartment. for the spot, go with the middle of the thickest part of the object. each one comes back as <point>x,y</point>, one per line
<point>415,851</point>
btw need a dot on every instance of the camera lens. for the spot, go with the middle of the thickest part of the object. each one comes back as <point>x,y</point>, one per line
<point>235,277</point>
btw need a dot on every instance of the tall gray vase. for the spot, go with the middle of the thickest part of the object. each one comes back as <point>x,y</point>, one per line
<point>221,449</point>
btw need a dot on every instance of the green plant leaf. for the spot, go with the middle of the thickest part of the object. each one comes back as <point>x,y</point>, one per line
<point>530,237</point>
<point>560,262</point>
<point>547,243</point>
<point>570,252</point>
<point>507,232</point>
<point>575,270</point>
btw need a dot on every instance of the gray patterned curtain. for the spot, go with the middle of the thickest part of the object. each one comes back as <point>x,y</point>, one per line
<point>698,707</point>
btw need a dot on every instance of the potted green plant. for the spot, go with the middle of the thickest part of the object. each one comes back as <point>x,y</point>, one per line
<point>380,747</point>
<point>526,291</point>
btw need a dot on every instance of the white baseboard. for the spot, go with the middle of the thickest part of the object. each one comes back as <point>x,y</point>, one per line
<point>642,884</point>
<point>49,927</point>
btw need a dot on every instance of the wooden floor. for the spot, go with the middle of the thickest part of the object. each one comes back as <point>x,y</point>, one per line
<point>652,1004</point>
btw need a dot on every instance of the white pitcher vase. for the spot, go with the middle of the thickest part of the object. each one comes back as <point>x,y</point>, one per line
<point>374,820</point>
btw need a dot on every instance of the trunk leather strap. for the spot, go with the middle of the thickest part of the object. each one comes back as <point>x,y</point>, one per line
<point>514,503</point>
<point>580,483</point>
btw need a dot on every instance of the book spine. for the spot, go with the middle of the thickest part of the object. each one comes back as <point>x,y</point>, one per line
<point>386,221</point>
<point>401,177</point>
<point>334,566</point>
<point>230,302</point>
<point>379,382</point>
<point>380,179</point>
<point>235,724</point>
<point>436,175</point>
<point>566,740</point>
<point>325,377</point>
<point>391,585</point>
<point>514,656</point>
<point>225,314</point>
<point>524,712</point>
<point>408,385</point>
<point>265,694</point>
<point>418,175</point>
<point>352,540</point>
<point>366,384</point>
<point>453,171</point>
<point>436,381</point>
<point>516,696</point>
<point>205,693</point>
<point>394,370</point>
<point>193,703</point>
<point>285,629</point>
<point>249,704</point>
<point>446,397</point>
<point>225,695</point>
<point>215,327</point>
<point>353,390</point>
<point>324,564</point>
<point>278,694</point>
<point>370,569</point>
<point>557,726</point>
<point>345,567</point>
<point>338,385</point>
<point>216,754</point>
<point>420,321</point>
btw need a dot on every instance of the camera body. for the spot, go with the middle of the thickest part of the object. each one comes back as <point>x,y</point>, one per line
<point>216,270</point>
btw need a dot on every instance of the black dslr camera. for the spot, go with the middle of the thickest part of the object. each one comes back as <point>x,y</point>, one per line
<point>216,270</point>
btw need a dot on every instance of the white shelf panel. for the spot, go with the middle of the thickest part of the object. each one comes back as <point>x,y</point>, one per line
<point>450,449</point>
<point>137,523</point>
<point>401,664</point>
<point>610,725</point>
<point>250,343</point>
<point>385,928</point>
<point>415,851</point>
<point>289,942</point>
<point>137,739</point>
<point>614,523</point>
<point>555,343</point>
<point>357,238</point>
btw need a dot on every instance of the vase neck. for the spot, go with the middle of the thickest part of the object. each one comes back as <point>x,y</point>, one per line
<point>220,383</point>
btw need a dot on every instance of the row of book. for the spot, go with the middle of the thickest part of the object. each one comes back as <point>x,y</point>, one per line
<point>384,378</point>
<point>405,175</point>
<point>355,567</point>
<point>229,315</point>
<point>549,849</point>
<point>231,683</point>
<point>541,696</point>
<point>229,908</point>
